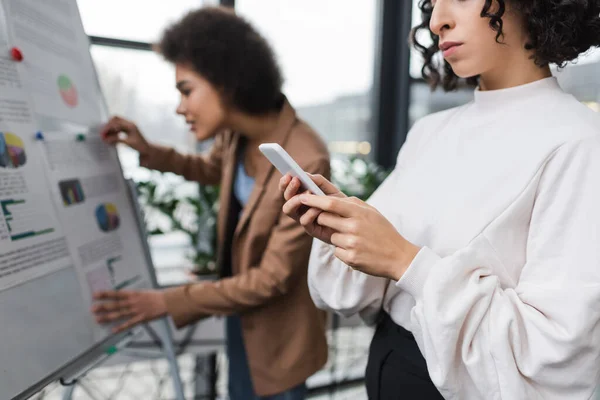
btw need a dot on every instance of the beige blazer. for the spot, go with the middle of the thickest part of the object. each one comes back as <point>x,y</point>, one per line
<point>283,331</point>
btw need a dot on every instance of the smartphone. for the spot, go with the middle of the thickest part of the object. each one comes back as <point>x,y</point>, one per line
<point>286,164</point>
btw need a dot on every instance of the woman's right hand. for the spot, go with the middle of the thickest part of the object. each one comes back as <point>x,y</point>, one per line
<point>307,217</point>
<point>120,130</point>
<point>129,307</point>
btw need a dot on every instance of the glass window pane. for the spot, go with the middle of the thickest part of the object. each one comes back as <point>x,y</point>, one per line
<point>326,51</point>
<point>582,80</point>
<point>140,86</point>
<point>139,20</point>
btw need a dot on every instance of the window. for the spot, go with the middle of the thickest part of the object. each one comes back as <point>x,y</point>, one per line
<point>131,89</point>
<point>582,79</point>
<point>326,52</point>
<point>139,20</point>
<point>140,86</point>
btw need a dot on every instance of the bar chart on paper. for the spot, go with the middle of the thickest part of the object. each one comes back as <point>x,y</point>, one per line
<point>22,220</point>
<point>118,282</point>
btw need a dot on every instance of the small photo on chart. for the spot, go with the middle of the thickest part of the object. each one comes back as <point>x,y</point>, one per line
<point>71,192</point>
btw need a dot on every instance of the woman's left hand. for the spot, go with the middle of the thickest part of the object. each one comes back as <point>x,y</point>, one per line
<point>364,239</point>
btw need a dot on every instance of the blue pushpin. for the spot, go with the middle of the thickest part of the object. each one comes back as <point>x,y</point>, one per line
<point>39,136</point>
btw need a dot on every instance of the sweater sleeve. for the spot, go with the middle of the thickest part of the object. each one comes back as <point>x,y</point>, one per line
<point>539,338</point>
<point>333,285</point>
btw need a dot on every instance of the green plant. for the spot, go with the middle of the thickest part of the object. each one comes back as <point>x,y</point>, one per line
<point>193,211</point>
<point>357,176</point>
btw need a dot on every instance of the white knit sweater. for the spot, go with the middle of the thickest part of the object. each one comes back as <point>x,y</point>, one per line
<point>503,195</point>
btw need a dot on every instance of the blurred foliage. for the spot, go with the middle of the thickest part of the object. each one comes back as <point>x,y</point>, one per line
<point>168,210</point>
<point>357,176</point>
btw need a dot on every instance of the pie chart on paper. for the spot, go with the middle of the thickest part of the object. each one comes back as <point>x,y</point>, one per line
<point>12,151</point>
<point>107,217</point>
<point>68,92</point>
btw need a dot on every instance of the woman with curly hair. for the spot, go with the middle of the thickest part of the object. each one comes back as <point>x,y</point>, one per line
<point>230,87</point>
<point>479,256</point>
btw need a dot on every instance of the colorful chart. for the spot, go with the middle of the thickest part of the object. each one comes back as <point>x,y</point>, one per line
<point>12,151</point>
<point>68,92</point>
<point>107,217</point>
<point>71,192</point>
<point>22,220</point>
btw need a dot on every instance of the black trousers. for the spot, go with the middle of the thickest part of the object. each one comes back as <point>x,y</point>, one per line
<point>396,369</point>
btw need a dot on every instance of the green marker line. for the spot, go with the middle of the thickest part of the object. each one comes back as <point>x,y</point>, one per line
<point>26,235</point>
<point>127,282</point>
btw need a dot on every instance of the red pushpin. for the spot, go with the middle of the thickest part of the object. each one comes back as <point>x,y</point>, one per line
<point>16,54</point>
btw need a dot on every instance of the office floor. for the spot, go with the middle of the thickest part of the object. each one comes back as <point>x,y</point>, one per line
<point>150,379</point>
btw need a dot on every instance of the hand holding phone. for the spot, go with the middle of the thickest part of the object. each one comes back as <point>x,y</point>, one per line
<point>286,165</point>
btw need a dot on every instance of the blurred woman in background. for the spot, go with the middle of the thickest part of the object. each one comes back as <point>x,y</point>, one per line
<point>230,88</point>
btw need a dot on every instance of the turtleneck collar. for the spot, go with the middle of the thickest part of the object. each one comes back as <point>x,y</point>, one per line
<point>517,93</point>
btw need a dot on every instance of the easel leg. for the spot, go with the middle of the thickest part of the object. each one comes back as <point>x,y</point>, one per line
<point>167,342</point>
<point>68,394</point>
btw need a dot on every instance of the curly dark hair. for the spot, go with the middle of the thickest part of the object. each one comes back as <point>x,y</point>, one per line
<point>559,31</point>
<point>228,52</point>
